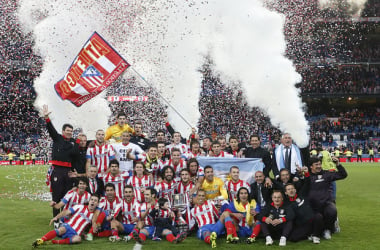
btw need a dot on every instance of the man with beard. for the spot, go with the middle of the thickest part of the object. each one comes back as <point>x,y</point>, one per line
<point>168,185</point>
<point>129,216</point>
<point>101,154</point>
<point>176,162</point>
<point>110,206</point>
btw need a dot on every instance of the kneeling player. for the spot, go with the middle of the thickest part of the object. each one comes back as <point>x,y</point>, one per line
<point>71,231</point>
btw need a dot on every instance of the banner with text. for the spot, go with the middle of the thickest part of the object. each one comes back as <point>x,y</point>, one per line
<point>96,67</point>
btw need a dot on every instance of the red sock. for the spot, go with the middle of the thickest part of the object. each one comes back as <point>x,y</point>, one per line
<point>142,236</point>
<point>170,237</point>
<point>115,232</point>
<point>49,236</point>
<point>256,231</point>
<point>230,228</point>
<point>100,218</point>
<point>207,239</point>
<point>105,233</point>
<point>64,241</point>
<point>91,231</point>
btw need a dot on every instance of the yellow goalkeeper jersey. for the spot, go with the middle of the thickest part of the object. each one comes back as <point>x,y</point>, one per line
<point>214,189</point>
<point>115,131</point>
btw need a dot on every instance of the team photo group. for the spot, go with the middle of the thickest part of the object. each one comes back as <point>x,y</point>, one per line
<point>126,187</point>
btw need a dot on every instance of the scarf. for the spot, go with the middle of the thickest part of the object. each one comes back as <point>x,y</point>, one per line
<point>295,157</point>
<point>246,209</point>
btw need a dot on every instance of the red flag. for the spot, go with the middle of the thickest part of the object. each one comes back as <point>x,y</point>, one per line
<point>96,67</point>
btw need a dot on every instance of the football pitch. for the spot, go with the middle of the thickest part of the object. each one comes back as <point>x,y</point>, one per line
<point>25,214</point>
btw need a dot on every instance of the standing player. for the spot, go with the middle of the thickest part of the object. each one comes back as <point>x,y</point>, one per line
<point>176,143</point>
<point>101,154</point>
<point>235,183</point>
<point>116,177</point>
<point>140,181</point>
<point>114,132</point>
<point>71,231</point>
<point>176,162</point>
<point>122,149</point>
<point>150,159</point>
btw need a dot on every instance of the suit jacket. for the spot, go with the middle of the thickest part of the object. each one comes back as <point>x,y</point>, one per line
<point>265,192</point>
<point>99,187</point>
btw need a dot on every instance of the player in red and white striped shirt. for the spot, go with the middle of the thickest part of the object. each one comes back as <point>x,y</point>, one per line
<point>176,162</point>
<point>195,150</point>
<point>70,232</point>
<point>110,206</point>
<point>210,226</point>
<point>101,154</point>
<point>77,197</point>
<point>145,226</point>
<point>129,216</point>
<point>177,144</point>
<point>216,151</point>
<point>166,188</point>
<point>140,180</point>
<point>235,183</point>
<point>197,174</point>
<point>115,177</point>
<point>150,159</point>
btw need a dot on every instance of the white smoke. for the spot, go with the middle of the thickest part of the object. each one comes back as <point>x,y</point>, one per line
<point>354,7</point>
<point>166,41</point>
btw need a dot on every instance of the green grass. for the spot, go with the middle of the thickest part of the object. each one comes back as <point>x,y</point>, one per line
<point>24,217</point>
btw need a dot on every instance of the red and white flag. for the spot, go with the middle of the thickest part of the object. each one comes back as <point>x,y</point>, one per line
<point>96,67</point>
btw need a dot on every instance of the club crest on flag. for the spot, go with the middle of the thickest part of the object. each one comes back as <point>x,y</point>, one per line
<point>96,67</point>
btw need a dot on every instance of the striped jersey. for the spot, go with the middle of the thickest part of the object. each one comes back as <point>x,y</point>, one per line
<point>73,198</point>
<point>129,211</point>
<point>81,218</point>
<point>182,147</point>
<point>112,207</point>
<point>118,180</point>
<point>205,214</point>
<point>100,156</point>
<point>166,189</point>
<point>139,183</point>
<point>177,168</point>
<point>233,188</point>
<point>145,208</point>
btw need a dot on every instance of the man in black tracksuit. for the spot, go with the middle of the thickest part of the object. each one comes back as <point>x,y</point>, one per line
<point>276,220</point>
<point>306,222</point>
<point>320,194</point>
<point>64,150</point>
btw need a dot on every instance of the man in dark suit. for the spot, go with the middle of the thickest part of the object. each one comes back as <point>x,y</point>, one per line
<point>259,191</point>
<point>95,185</point>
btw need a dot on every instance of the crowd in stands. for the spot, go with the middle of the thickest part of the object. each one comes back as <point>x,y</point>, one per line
<point>21,129</point>
<point>354,79</point>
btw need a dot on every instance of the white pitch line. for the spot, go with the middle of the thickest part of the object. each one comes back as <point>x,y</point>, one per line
<point>137,246</point>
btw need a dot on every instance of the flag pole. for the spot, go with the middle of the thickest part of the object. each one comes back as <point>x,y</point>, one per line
<point>163,98</point>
